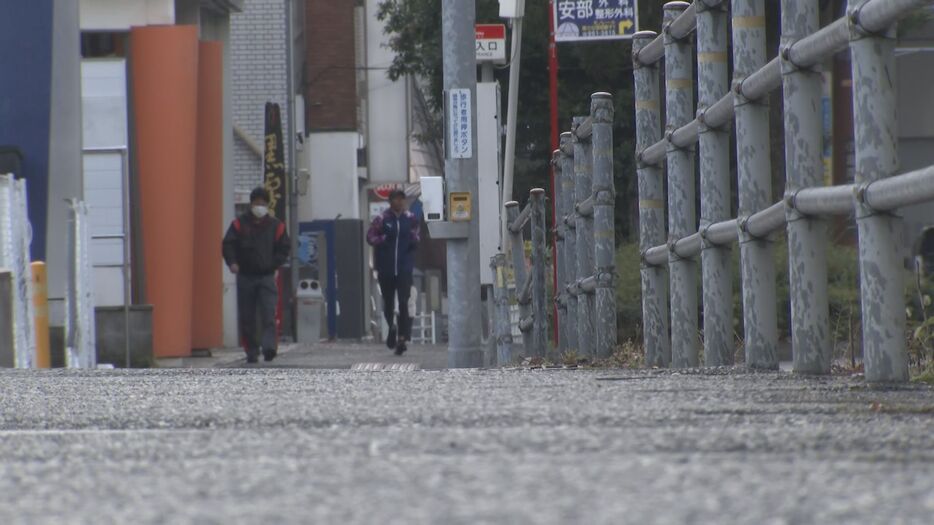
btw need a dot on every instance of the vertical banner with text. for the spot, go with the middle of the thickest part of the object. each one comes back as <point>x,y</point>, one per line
<point>460,129</point>
<point>274,162</point>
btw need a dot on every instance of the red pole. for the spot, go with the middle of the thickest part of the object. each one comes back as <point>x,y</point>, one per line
<point>553,100</point>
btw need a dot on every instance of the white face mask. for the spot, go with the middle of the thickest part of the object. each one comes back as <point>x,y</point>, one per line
<point>260,211</point>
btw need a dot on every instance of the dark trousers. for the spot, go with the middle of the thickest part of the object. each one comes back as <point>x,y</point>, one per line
<point>392,286</point>
<point>257,297</point>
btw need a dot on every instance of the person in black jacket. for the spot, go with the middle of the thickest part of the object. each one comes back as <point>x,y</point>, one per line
<point>394,237</point>
<point>255,246</point>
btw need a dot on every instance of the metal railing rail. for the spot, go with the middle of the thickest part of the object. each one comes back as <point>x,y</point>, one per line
<point>869,32</point>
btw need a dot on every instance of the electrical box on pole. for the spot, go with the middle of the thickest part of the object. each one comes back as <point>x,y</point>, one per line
<point>511,8</point>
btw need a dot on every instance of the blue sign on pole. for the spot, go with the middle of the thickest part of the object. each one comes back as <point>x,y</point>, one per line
<point>581,20</point>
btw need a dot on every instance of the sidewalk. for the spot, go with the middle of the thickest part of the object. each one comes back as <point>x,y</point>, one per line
<point>324,355</point>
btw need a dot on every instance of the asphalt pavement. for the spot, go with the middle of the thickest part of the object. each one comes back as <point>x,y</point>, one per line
<point>305,445</point>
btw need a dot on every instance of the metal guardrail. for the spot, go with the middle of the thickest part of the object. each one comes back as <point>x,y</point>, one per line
<point>15,237</point>
<point>868,31</point>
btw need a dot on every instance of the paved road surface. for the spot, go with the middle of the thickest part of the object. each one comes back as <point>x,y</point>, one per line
<point>281,445</point>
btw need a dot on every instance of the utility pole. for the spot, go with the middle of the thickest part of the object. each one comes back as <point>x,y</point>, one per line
<point>458,18</point>
<point>290,165</point>
<point>517,8</point>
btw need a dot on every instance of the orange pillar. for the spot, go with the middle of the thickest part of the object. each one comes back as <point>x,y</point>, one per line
<point>40,302</point>
<point>164,79</point>
<point>207,329</point>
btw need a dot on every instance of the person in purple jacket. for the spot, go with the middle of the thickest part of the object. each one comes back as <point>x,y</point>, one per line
<point>394,237</point>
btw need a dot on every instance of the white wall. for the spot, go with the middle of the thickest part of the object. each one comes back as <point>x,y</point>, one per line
<point>120,15</point>
<point>333,188</point>
<point>488,164</point>
<point>104,111</point>
<point>387,108</point>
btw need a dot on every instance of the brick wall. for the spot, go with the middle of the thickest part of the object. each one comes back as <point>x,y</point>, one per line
<point>330,84</point>
<point>258,58</point>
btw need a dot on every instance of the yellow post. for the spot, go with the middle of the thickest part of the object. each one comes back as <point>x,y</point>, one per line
<point>40,302</point>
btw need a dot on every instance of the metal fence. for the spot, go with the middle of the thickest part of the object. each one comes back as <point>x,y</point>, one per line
<point>529,290</point>
<point>869,31</point>
<point>15,237</point>
<point>80,341</point>
<point>585,197</point>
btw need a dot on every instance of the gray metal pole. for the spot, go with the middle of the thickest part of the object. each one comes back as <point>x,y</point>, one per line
<point>754,171</point>
<point>804,167</point>
<point>604,195</point>
<point>291,177</point>
<point>570,237</point>
<point>560,232</point>
<point>463,255</point>
<point>502,326</point>
<point>651,207</point>
<point>714,157</point>
<point>881,235</point>
<point>539,299</point>
<point>679,110</point>
<point>517,250</point>
<point>512,106</point>
<point>583,185</point>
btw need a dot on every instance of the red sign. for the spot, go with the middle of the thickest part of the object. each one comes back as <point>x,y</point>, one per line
<point>383,190</point>
<point>491,31</point>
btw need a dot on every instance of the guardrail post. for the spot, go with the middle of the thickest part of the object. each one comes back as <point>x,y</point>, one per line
<point>517,248</point>
<point>560,293</point>
<point>651,207</point>
<point>539,299</point>
<point>80,341</point>
<point>807,236</point>
<point>754,173</point>
<point>881,235</point>
<point>566,161</point>
<point>502,326</point>
<point>679,109</point>
<point>583,184</point>
<point>716,261</point>
<point>604,195</point>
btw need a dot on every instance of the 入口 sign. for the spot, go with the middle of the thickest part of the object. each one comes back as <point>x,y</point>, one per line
<point>491,43</point>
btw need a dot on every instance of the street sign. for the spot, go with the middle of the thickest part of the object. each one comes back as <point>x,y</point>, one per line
<point>491,43</point>
<point>581,20</point>
<point>460,125</point>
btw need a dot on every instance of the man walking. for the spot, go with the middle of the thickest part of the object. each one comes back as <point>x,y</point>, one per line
<point>255,246</point>
<point>394,237</point>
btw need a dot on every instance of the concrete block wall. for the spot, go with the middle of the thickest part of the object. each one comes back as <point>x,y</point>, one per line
<point>258,57</point>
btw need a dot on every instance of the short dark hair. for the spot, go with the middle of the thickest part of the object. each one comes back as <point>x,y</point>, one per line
<point>396,193</point>
<point>258,193</point>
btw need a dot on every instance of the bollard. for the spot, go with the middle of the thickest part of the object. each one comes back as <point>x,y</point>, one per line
<point>583,184</point>
<point>517,248</point>
<point>40,301</point>
<point>502,327</point>
<point>570,238</point>
<point>804,168</point>
<point>561,302</point>
<point>539,293</point>
<point>714,159</point>
<point>604,195</point>
<point>881,243</point>
<point>651,207</point>
<point>754,169</point>
<point>679,108</point>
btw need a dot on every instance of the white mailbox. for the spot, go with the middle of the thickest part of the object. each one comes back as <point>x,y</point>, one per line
<point>433,198</point>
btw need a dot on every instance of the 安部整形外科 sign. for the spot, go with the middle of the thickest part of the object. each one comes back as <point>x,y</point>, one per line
<point>580,20</point>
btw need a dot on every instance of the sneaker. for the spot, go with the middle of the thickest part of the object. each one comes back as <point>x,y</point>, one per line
<point>391,338</point>
<point>269,355</point>
<point>401,348</point>
<point>252,358</point>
